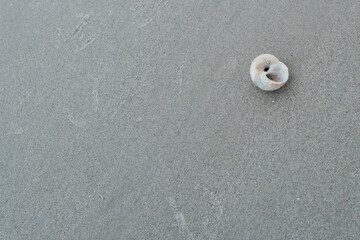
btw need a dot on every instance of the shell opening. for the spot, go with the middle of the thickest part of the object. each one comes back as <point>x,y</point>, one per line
<point>276,77</point>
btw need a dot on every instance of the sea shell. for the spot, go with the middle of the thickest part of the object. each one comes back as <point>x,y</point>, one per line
<point>268,73</point>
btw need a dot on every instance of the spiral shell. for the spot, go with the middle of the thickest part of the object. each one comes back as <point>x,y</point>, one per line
<point>268,73</point>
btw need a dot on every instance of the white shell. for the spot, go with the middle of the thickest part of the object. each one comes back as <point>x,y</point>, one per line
<point>268,73</point>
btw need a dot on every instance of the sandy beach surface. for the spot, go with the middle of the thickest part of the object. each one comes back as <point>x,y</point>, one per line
<point>139,120</point>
